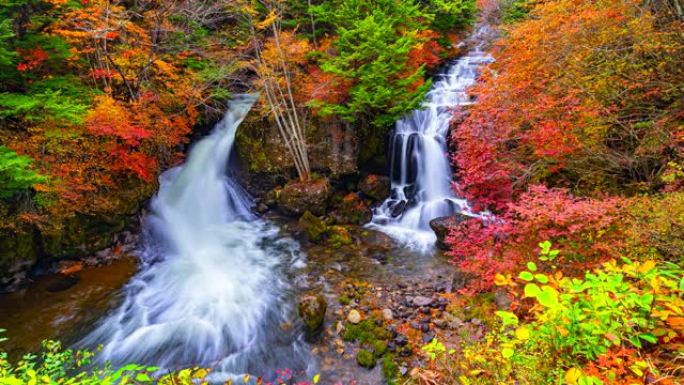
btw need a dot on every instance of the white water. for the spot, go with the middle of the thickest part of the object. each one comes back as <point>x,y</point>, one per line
<point>211,291</point>
<point>419,161</point>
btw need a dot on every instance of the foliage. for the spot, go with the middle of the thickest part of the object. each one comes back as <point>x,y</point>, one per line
<point>583,95</point>
<point>16,174</point>
<point>371,50</point>
<point>585,230</point>
<point>609,326</point>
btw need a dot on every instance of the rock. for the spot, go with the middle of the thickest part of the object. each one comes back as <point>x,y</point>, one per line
<point>442,225</point>
<point>421,301</point>
<point>312,310</point>
<point>376,187</point>
<point>365,358</point>
<point>387,314</point>
<point>313,226</point>
<point>502,300</point>
<point>298,197</point>
<point>397,208</point>
<point>401,340</point>
<point>377,240</point>
<point>262,208</point>
<point>352,210</point>
<point>403,370</point>
<point>354,316</point>
<point>460,280</point>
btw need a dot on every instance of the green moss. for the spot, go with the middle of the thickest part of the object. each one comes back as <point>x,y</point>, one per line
<point>365,358</point>
<point>344,300</point>
<point>366,332</point>
<point>379,348</point>
<point>313,226</point>
<point>390,369</point>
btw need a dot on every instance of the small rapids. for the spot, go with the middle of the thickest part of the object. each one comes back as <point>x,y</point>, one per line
<point>212,290</point>
<point>419,163</point>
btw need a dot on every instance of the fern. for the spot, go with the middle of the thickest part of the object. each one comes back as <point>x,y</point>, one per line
<point>16,174</point>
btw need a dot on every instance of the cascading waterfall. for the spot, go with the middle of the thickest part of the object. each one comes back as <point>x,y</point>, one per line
<point>419,164</point>
<point>211,291</point>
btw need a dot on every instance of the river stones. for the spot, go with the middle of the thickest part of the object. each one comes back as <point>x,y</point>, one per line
<point>442,225</point>
<point>312,310</point>
<point>376,187</point>
<point>354,317</point>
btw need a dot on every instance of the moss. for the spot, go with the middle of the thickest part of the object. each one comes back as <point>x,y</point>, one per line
<point>379,348</point>
<point>344,300</point>
<point>313,226</point>
<point>365,332</point>
<point>339,236</point>
<point>365,358</point>
<point>390,369</point>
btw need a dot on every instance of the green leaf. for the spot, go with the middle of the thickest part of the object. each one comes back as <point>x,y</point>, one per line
<point>532,290</point>
<point>531,266</point>
<point>507,352</point>
<point>648,337</point>
<point>526,276</point>
<point>541,278</point>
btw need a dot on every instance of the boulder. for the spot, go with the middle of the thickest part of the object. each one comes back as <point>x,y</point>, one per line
<point>442,225</point>
<point>376,187</point>
<point>298,197</point>
<point>313,226</point>
<point>312,310</point>
<point>351,210</point>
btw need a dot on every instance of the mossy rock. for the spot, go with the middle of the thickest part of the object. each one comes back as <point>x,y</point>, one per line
<point>365,358</point>
<point>312,310</point>
<point>298,197</point>
<point>379,348</point>
<point>376,187</point>
<point>339,236</point>
<point>314,227</point>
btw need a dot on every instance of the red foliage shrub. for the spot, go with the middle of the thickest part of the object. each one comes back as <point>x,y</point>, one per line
<point>584,230</point>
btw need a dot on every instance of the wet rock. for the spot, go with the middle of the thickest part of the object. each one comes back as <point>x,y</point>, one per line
<point>377,240</point>
<point>427,338</point>
<point>262,208</point>
<point>421,301</point>
<point>387,314</point>
<point>298,197</point>
<point>376,187</point>
<point>314,227</point>
<point>442,225</point>
<point>312,310</point>
<point>401,340</point>
<point>398,208</point>
<point>354,317</point>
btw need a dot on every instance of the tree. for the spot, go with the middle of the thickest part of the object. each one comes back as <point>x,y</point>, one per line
<point>16,174</point>
<point>276,63</point>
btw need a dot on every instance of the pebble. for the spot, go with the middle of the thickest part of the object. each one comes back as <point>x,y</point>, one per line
<point>354,317</point>
<point>421,301</point>
<point>387,314</point>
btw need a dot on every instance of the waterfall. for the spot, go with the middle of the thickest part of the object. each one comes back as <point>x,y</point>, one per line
<point>211,291</point>
<point>419,163</point>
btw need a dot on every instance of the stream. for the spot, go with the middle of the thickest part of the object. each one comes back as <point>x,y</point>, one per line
<point>216,286</point>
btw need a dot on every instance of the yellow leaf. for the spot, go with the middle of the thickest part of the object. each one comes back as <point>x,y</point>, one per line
<point>246,378</point>
<point>572,375</point>
<point>316,378</point>
<point>270,19</point>
<point>646,267</point>
<point>522,333</point>
<point>502,280</point>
